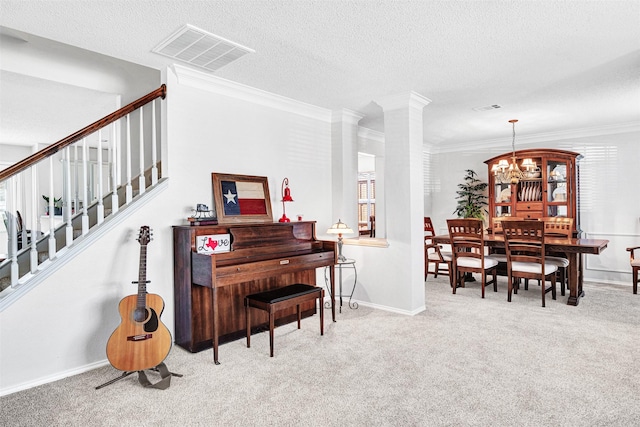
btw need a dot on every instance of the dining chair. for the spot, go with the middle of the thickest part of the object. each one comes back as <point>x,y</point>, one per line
<point>433,254</point>
<point>496,224</point>
<point>635,267</point>
<point>19,228</point>
<point>497,229</point>
<point>524,242</point>
<point>372,221</point>
<point>561,227</point>
<point>467,244</point>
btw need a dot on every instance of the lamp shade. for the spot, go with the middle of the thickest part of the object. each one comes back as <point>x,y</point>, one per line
<point>286,197</point>
<point>528,163</point>
<point>339,228</point>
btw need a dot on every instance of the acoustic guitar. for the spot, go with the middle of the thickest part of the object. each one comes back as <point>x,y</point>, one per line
<point>141,341</point>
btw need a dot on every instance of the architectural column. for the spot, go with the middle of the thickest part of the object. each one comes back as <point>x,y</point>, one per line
<point>344,171</point>
<point>404,193</point>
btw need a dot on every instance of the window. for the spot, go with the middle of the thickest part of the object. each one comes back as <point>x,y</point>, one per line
<point>366,199</point>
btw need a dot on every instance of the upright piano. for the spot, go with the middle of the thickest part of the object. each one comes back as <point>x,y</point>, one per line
<point>209,290</point>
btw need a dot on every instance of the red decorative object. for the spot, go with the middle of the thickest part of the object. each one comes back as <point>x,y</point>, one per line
<point>286,197</point>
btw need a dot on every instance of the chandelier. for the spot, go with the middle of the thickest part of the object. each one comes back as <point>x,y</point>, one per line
<point>506,172</point>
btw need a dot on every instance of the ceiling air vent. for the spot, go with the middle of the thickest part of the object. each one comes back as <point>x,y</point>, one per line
<point>487,108</point>
<point>200,48</point>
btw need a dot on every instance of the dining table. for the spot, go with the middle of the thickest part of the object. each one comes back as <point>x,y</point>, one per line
<point>573,248</point>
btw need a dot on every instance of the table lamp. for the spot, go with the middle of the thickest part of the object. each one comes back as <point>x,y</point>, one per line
<point>286,197</point>
<point>340,228</point>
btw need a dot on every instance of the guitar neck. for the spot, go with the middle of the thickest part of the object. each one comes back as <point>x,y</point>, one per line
<point>142,277</point>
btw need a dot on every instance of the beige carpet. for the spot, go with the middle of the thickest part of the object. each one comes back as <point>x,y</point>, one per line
<point>463,362</point>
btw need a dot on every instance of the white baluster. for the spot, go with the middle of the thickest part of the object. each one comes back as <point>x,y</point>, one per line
<point>13,229</point>
<point>52,211</point>
<point>129,190</point>
<point>66,206</point>
<point>76,196</point>
<point>85,187</point>
<point>33,253</point>
<point>154,154</point>
<point>118,150</point>
<point>141,181</point>
<point>20,207</point>
<point>100,195</point>
<point>114,170</point>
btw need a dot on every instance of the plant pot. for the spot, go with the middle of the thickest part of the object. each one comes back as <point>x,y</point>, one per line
<point>56,211</point>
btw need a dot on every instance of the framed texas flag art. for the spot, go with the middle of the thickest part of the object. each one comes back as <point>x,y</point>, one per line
<point>241,198</point>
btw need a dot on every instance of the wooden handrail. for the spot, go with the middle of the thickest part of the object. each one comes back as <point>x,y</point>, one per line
<point>161,92</point>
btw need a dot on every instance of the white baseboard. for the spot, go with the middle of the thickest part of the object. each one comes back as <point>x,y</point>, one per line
<point>57,376</point>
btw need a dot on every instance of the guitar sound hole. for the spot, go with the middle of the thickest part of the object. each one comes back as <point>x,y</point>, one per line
<point>140,314</point>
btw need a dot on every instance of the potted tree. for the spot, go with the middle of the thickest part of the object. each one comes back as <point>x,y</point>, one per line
<point>472,200</point>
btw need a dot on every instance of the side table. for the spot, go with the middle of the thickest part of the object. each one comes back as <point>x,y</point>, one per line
<point>347,263</point>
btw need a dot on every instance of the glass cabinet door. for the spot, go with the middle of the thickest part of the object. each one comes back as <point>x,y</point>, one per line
<point>502,211</point>
<point>557,173</point>
<point>502,204</point>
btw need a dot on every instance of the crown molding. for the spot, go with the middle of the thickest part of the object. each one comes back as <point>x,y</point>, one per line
<point>527,140</point>
<point>409,99</point>
<point>371,134</point>
<point>345,115</point>
<point>429,148</point>
<point>202,80</point>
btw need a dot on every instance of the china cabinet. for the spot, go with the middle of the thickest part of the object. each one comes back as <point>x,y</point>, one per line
<point>549,186</point>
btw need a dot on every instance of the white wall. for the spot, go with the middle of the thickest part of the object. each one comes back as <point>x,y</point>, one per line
<point>39,58</point>
<point>211,132</point>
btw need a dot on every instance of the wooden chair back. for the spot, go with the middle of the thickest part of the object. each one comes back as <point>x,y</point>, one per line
<point>635,267</point>
<point>497,223</point>
<point>467,245</point>
<point>524,241</point>
<point>372,221</point>
<point>429,231</point>
<point>433,254</point>
<point>558,226</point>
<point>19,221</point>
<point>467,237</point>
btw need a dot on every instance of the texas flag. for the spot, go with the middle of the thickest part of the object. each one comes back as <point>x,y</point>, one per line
<point>243,198</point>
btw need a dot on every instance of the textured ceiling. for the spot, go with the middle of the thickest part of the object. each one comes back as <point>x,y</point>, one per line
<point>554,65</point>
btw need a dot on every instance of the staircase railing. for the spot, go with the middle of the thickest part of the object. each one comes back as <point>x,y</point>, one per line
<point>82,178</point>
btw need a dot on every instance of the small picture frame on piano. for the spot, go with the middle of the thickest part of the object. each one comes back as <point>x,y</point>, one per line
<point>241,198</point>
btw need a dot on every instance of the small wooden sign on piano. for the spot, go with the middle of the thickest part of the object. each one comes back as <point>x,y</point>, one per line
<point>213,243</point>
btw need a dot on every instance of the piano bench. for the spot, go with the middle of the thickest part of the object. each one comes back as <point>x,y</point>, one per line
<point>279,299</point>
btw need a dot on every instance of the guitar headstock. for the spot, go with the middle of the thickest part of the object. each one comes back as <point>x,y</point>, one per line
<point>144,237</point>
